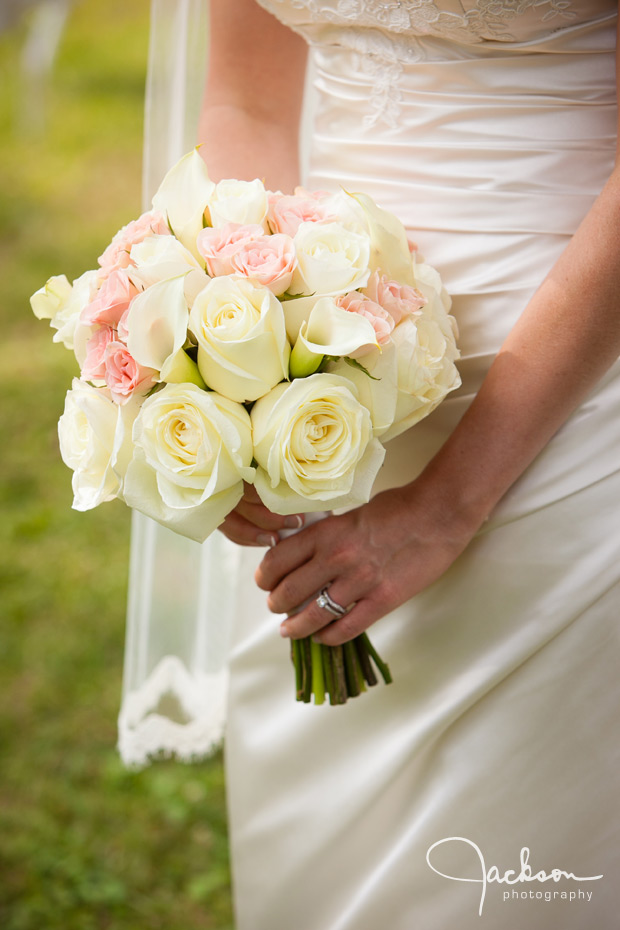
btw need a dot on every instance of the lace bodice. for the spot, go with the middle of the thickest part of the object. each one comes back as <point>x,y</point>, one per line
<point>465,22</point>
<point>386,36</point>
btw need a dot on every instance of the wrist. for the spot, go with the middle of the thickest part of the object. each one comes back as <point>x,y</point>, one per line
<point>455,507</point>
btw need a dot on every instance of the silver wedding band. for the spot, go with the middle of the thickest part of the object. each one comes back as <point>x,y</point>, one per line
<point>327,603</point>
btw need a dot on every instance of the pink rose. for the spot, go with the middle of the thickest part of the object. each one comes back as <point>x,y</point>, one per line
<point>112,299</point>
<point>94,367</point>
<point>268,260</point>
<point>287,212</point>
<point>399,300</point>
<point>123,375</point>
<point>117,253</point>
<point>311,195</point>
<point>122,330</point>
<point>381,320</point>
<point>218,245</point>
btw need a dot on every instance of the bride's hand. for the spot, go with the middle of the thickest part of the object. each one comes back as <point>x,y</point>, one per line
<point>374,557</point>
<point>252,524</point>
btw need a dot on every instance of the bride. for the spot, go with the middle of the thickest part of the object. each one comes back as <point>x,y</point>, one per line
<point>489,556</point>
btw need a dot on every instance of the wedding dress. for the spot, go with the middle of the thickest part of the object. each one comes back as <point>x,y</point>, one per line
<point>488,127</point>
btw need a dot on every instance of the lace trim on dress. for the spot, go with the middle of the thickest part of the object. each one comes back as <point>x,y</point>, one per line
<point>487,19</point>
<point>376,30</point>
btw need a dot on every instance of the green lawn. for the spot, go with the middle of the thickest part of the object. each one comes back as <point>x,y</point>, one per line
<point>83,843</point>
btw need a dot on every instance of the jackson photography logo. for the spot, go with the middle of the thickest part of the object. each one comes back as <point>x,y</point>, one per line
<point>511,877</point>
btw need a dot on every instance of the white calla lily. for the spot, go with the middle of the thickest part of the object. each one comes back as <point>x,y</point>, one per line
<point>183,196</point>
<point>297,311</point>
<point>330,330</point>
<point>179,368</point>
<point>376,383</point>
<point>157,323</point>
<point>336,331</point>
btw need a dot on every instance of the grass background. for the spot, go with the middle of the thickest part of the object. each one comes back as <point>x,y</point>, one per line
<point>83,843</point>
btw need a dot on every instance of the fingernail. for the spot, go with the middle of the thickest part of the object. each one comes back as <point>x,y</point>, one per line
<point>284,630</point>
<point>267,539</point>
<point>294,523</point>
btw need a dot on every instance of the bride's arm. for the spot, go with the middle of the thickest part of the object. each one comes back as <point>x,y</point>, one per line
<point>381,554</point>
<point>254,89</point>
<point>249,127</point>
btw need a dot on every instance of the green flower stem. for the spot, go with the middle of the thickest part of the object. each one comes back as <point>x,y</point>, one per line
<point>298,663</point>
<point>306,695</point>
<point>334,695</point>
<point>350,666</point>
<point>364,660</point>
<point>340,671</point>
<point>328,672</point>
<point>381,665</point>
<point>318,681</point>
<point>340,682</point>
<point>361,681</point>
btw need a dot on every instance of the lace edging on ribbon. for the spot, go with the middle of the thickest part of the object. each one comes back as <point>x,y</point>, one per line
<point>146,731</point>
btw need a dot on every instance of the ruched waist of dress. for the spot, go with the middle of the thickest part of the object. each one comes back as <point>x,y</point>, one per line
<point>474,143</point>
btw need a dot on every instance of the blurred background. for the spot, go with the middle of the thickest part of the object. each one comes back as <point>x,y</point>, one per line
<point>84,843</point>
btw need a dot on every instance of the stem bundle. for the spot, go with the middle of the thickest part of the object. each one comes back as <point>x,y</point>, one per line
<point>339,671</point>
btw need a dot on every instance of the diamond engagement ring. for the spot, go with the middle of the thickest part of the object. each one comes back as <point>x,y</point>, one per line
<point>326,602</point>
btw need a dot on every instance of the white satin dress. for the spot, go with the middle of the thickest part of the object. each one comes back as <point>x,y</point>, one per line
<point>488,126</point>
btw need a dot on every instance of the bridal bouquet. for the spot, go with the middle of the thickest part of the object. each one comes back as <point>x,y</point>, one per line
<point>237,335</point>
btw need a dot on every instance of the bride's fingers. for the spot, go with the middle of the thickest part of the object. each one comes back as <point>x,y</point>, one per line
<point>358,619</point>
<point>260,516</point>
<point>297,587</point>
<point>252,508</point>
<point>289,555</point>
<point>315,617</point>
<point>245,533</point>
<point>250,493</point>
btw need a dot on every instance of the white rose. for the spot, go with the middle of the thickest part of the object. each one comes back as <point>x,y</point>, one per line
<point>238,202</point>
<point>331,259</point>
<point>193,451</point>
<point>426,371</point>
<point>428,280</point>
<point>242,346</point>
<point>438,304</point>
<point>345,209</point>
<point>51,298</point>
<point>390,253</point>
<point>161,257</point>
<point>95,441</point>
<point>62,303</point>
<point>313,444</point>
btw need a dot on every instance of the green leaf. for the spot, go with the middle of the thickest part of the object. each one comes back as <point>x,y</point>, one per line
<point>353,362</point>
